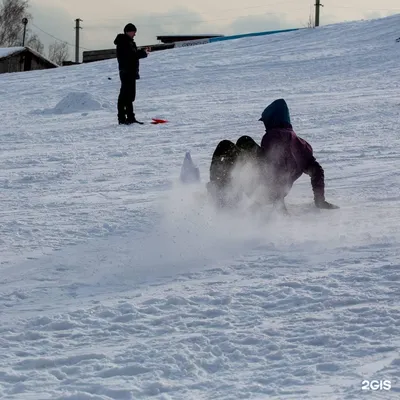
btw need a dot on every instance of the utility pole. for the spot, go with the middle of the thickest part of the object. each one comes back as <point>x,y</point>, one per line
<point>25,22</point>
<point>317,6</point>
<point>77,27</point>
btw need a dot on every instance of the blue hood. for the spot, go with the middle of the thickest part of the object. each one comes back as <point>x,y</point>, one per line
<point>276,115</point>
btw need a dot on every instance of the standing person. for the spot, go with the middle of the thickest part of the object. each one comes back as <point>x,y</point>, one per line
<point>128,57</point>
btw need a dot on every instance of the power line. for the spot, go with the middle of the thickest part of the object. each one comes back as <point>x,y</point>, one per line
<point>206,13</point>
<point>56,38</point>
<point>164,16</point>
<point>367,9</point>
<point>195,21</point>
<point>202,13</point>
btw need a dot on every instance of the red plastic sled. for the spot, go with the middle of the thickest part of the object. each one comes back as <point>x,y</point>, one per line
<point>158,121</point>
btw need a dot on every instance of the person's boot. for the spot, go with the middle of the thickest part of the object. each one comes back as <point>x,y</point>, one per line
<point>132,120</point>
<point>130,117</point>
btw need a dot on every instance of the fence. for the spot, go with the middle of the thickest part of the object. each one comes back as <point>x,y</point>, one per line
<point>98,55</point>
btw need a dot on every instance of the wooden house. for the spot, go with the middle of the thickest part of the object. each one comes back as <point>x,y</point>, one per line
<point>18,59</point>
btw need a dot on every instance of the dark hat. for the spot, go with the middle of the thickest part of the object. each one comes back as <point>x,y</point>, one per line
<point>276,114</point>
<point>130,28</point>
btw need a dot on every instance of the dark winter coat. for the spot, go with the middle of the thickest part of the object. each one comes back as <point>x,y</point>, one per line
<point>287,156</point>
<point>128,55</point>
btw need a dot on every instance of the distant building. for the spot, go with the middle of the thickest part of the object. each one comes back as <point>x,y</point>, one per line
<point>184,38</point>
<point>168,42</point>
<point>18,59</point>
<point>68,63</point>
<point>107,54</point>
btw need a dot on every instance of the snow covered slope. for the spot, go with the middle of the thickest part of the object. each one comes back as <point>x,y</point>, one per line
<point>116,283</point>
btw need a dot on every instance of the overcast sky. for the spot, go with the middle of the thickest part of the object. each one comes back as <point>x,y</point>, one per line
<point>103,20</point>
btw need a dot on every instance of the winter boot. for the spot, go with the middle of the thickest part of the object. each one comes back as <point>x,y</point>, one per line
<point>133,120</point>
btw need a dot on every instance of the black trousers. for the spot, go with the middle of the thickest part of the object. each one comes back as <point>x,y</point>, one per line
<point>223,162</point>
<point>227,155</point>
<point>127,95</point>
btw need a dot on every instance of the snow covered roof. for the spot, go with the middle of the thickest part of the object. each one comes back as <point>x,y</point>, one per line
<point>10,51</point>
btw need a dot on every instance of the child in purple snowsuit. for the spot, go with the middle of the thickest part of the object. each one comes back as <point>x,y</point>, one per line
<point>280,160</point>
<point>287,157</point>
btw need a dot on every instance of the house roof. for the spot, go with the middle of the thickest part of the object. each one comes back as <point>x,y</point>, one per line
<point>11,51</point>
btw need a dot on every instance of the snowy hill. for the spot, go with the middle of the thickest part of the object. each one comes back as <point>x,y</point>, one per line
<point>116,284</point>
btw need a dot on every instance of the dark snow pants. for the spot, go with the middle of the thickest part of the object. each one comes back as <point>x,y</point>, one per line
<point>223,162</point>
<point>127,95</point>
<point>227,155</point>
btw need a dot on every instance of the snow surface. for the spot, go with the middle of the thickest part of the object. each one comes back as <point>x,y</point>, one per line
<point>119,283</point>
<point>7,51</point>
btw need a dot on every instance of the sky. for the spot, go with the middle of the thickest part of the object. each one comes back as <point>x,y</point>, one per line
<point>102,21</point>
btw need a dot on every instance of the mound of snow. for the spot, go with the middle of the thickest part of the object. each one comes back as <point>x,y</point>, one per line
<point>74,102</point>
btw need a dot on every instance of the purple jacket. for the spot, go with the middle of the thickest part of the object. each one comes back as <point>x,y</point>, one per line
<point>287,157</point>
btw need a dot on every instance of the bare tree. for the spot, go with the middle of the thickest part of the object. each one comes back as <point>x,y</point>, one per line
<point>11,14</point>
<point>311,21</point>
<point>58,52</point>
<point>35,43</point>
